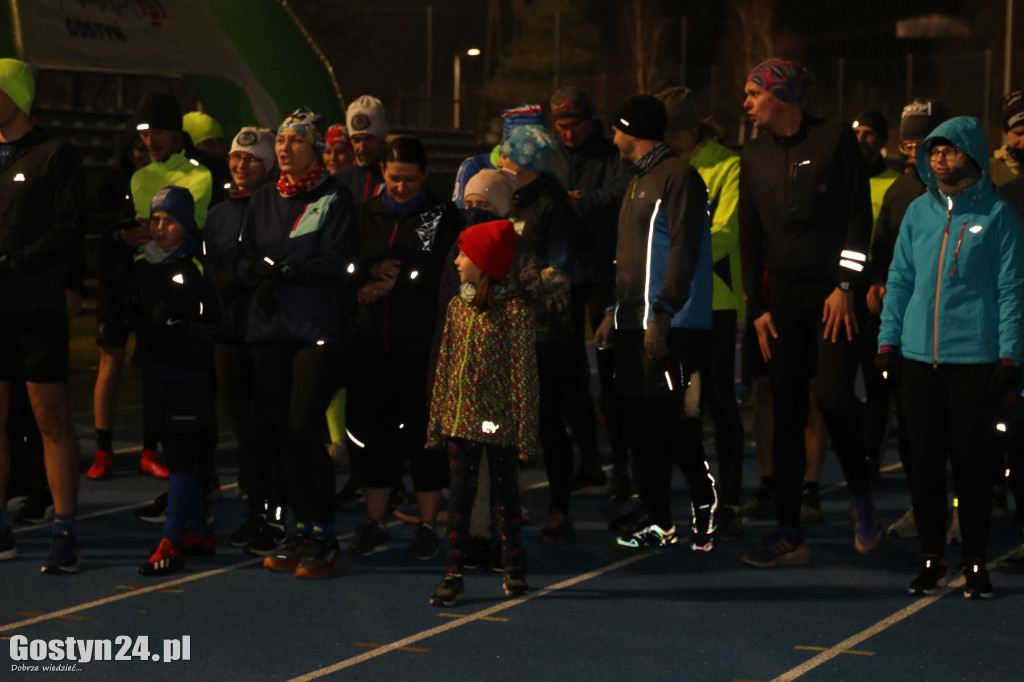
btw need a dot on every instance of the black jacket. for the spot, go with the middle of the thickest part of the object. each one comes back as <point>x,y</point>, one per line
<point>40,190</point>
<point>805,206</point>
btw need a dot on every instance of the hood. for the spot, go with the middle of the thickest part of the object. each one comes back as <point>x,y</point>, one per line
<point>964,132</point>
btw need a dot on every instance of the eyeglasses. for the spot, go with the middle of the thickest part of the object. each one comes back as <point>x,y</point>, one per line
<point>948,153</point>
<point>909,148</point>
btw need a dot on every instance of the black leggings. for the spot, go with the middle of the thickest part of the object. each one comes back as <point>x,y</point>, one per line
<point>951,415</point>
<point>464,461</point>
<point>717,365</point>
<point>235,395</point>
<point>798,354</point>
<point>660,433</point>
<point>294,384</point>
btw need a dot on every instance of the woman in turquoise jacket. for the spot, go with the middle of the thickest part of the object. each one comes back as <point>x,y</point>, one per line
<point>952,326</point>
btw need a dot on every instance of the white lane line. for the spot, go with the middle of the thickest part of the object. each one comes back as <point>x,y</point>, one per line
<point>880,626</point>
<point>472,618</point>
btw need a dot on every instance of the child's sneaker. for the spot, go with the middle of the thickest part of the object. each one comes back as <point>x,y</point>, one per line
<point>976,582</point>
<point>322,555</point>
<point>932,576</point>
<point>781,547</point>
<point>269,538</point>
<point>371,538</point>
<point>451,590</point>
<point>166,559</point>
<point>514,581</point>
<point>558,528</point>
<point>650,536</point>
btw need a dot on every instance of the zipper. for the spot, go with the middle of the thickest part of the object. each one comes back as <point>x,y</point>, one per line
<point>462,367</point>
<point>938,285</point>
<point>387,299</point>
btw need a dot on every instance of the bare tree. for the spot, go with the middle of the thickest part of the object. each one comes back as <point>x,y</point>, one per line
<point>645,27</point>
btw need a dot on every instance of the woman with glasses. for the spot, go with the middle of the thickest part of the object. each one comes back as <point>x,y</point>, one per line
<point>952,330</point>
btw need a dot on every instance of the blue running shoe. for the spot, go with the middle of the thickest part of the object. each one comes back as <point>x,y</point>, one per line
<point>63,556</point>
<point>868,532</point>
<point>781,547</point>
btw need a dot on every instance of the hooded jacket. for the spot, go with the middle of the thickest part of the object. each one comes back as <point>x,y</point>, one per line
<point>955,292</point>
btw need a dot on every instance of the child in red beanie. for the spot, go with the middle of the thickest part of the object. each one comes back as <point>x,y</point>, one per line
<point>485,398</point>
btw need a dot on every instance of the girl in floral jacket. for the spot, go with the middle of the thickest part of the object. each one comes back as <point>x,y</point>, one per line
<point>485,397</point>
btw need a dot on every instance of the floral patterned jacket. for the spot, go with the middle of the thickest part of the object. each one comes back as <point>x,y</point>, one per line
<point>485,389</point>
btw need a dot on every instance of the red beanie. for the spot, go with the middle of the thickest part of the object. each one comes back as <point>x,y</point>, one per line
<point>491,246</point>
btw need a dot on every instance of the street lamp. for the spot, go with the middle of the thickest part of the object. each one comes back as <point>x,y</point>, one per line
<point>457,91</point>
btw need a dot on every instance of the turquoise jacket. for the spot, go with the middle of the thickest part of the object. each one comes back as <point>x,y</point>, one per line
<point>955,293</point>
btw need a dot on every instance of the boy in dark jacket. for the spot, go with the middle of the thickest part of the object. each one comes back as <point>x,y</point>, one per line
<point>175,310</point>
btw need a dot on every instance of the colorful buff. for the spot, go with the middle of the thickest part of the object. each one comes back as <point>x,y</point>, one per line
<point>786,80</point>
<point>306,123</point>
<point>338,134</point>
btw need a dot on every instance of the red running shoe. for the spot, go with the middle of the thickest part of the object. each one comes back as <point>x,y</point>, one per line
<point>152,465</point>
<point>102,467</point>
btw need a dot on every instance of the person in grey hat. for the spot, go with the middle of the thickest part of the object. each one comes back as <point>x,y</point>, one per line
<point>587,164</point>
<point>1006,161</point>
<point>367,131</point>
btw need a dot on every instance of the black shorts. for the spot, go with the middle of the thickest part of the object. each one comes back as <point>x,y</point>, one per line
<point>111,317</point>
<point>177,406</point>
<point>753,364</point>
<point>34,346</point>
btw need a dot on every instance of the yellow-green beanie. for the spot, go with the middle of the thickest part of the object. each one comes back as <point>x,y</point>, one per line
<point>17,81</point>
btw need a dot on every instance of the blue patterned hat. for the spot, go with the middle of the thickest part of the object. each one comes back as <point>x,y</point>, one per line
<point>528,147</point>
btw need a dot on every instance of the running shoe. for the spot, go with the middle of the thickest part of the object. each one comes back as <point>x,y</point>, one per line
<point>371,538</point>
<point>166,559</point>
<point>452,589</point>
<point>634,514</point>
<point>650,536</point>
<point>976,582</point>
<point>810,507</point>
<point>289,555</point>
<point>424,544</point>
<point>867,532</point>
<point>102,467</point>
<point>513,581</point>
<point>194,544</point>
<point>730,522</point>
<point>63,556</point>
<point>762,504</point>
<point>150,463</point>
<point>932,576</point>
<point>154,512</point>
<point>322,556</point>
<point>245,533</point>
<point>558,528</point>
<point>270,537</point>
<point>781,547</point>
<point>703,527</point>
<point>36,508</point>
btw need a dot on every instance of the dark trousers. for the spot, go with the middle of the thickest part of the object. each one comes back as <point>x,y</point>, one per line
<point>717,364</point>
<point>951,418</point>
<point>557,369</point>
<point>464,458</point>
<point>294,384</point>
<point>798,355</point>
<point>235,396</point>
<point>661,435</point>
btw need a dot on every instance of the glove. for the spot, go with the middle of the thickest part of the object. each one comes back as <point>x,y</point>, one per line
<point>890,364</point>
<point>1004,377</point>
<point>656,336</point>
<point>603,333</point>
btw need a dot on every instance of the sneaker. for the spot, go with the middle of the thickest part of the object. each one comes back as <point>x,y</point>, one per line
<point>810,507</point>
<point>323,554</point>
<point>976,582</point>
<point>762,504</point>
<point>1013,563</point>
<point>703,527</point>
<point>867,532</point>
<point>288,556</point>
<point>513,581</point>
<point>166,559</point>
<point>634,514</point>
<point>154,512</point>
<point>410,513</point>
<point>102,467</point>
<point>37,507</point>
<point>451,590</point>
<point>953,536</point>
<point>150,463</point>
<point>558,528</point>
<point>781,547</point>
<point>8,548</point>
<point>932,576</point>
<point>590,479</point>
<point>650,536</point>
<point>63,556</point>
<point>730,522</point>
<point>270,537</point>
<point>906,527</point>
<point>371,538</point>
<point>194,544</point>
<point>424,543</point>
<point>245,533</point>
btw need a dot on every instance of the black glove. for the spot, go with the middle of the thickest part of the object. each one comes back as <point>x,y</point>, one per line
<point>890,364</point>
<point>1004,377</point>
<point>261,269</point>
